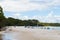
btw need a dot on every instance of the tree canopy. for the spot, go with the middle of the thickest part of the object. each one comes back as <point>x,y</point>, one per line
<point>2,18</point>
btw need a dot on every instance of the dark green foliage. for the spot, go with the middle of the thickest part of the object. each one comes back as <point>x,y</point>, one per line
<point>16,22</point>
<point>13,22</point>
<point>51,24</point>
<point>30,22</point>
<point>2,18</point>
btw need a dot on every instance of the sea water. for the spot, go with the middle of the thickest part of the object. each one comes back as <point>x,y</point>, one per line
<point>45,27</point>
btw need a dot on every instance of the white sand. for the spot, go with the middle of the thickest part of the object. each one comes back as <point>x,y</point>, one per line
<point>33,34</point>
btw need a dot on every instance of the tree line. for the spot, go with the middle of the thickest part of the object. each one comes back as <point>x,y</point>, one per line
<point>17,22</point>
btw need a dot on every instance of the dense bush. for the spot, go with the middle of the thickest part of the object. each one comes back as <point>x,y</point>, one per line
<point>2,18</point>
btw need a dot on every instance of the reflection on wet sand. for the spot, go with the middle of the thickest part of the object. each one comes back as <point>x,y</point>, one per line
<point>31,34</point>
<point>0,35</point>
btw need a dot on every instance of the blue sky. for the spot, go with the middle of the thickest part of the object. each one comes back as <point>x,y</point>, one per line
<point>42,10</point>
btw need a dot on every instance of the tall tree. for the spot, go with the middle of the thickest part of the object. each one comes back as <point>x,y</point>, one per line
<point>2,18</point>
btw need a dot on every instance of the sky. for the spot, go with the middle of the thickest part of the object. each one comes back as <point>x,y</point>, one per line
<point>42,10</point>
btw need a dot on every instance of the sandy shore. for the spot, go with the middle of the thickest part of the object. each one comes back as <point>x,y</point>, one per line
<point>1,35</point>
<point>33,34</point>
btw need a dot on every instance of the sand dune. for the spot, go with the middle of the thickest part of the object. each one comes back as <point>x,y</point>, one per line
<point>32,34</point>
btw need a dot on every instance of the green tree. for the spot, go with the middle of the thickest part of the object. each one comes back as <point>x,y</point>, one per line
<point>2,18</point>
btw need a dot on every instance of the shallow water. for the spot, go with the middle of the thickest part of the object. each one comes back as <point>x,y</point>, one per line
<point>46,27</point>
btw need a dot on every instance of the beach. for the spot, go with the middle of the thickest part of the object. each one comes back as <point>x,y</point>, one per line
<point>31,34</point>
<point>1,35</point>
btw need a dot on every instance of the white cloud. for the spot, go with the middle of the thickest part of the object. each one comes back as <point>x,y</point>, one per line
<point>17,6</point>
<point>19,16</point>
<point>25,18</point>
<point>16,16</point>
<point>51,18</point>
<point>26,5</point>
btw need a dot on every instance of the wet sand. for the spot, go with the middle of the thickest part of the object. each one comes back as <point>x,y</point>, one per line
<point>1,35</point>
<point>34,34</point>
